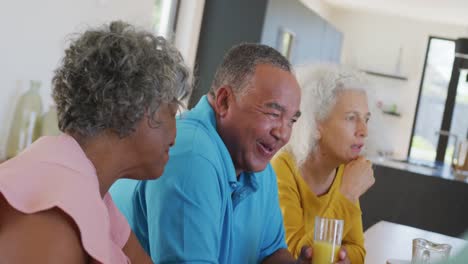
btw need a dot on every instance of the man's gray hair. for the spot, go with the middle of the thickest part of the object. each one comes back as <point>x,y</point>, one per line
<point>239,65</point>
<point>320,85</point>
<point>112,76</point>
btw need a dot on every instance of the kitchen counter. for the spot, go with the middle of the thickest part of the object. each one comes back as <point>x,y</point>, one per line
<point>385,240</point>
<point>428,198</point>
<point>442,171</point>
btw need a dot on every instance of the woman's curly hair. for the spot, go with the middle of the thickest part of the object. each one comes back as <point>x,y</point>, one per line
<point>111,77</point>
<point>320,86</point>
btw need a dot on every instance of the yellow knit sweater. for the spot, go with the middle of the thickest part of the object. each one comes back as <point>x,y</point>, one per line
<point>300,205</point>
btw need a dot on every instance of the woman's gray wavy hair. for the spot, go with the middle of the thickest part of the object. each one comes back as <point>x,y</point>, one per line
<point>320,85</point>
<point>111,77</point>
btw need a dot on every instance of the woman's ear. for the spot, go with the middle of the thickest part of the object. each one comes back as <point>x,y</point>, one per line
<point>318,131</point>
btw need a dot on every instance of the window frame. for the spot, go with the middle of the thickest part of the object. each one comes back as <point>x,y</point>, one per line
<point>449,107</point>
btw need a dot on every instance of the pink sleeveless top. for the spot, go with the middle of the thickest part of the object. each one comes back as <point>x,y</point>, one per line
<point>55,172</point>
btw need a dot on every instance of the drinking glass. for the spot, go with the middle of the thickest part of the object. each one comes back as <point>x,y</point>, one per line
<point>328,234</point>
<point>427,252</point>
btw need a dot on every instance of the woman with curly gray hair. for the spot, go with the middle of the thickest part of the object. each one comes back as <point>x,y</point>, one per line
<point>117,92</point>
<point>321,172</point>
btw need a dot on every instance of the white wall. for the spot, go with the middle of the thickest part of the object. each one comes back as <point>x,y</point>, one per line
<point>373,41</point>
<point>34,36</point>
<point>320,7</point>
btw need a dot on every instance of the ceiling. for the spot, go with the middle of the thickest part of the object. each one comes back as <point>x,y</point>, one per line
<point>442,11</point>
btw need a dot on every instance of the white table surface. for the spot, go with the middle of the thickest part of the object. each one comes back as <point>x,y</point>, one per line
<point>386,240</point>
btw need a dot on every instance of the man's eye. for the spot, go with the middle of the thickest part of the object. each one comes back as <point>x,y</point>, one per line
<point>273,114</point>
<point>292,121</point>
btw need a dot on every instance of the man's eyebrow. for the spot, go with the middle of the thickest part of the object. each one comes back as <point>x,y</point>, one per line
<point>280,108</point>
<point>275,106</point>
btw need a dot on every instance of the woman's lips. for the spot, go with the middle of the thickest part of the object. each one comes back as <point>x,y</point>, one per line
<point>357,147</point>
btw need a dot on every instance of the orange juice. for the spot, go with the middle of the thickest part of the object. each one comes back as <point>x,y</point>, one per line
<point>325,252</point>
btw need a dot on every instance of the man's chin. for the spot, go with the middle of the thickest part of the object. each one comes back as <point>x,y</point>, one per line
<point>156,174</point>
<point>258,167</point>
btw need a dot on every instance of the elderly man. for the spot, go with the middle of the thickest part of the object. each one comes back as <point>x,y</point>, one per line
<point>220,203</point>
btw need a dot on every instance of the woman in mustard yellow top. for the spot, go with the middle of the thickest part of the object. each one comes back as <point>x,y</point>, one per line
<point>321,171</point>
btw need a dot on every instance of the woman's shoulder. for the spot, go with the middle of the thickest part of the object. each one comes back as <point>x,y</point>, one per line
<point>285,167</point>
<point>283,158</point>
<point>33,187</point>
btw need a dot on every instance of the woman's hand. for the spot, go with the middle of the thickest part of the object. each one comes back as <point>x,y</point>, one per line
<point>358,177</point>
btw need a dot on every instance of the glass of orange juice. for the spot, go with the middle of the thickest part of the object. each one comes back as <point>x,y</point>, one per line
<point>327,240</point>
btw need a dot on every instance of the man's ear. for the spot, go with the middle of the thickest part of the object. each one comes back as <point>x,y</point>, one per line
<point>222,100</point>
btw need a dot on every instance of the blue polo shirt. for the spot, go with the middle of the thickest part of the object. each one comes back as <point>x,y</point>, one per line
<point>198,211</point>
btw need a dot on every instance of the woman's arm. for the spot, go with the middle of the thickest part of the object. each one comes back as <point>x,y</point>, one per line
<point>49,236</point>
<point>354,240</point>
<point>291,205</point>
<point>135,251</point>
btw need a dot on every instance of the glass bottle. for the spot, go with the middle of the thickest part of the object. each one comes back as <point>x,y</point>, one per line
<point>49,123</point>
<point>25,127</point>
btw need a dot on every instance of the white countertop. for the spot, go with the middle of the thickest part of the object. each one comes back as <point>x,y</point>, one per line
<point>386,240</point>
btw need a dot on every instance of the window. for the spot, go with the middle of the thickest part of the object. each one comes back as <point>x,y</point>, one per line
<point>165,17</point>
<point>439,120</point>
